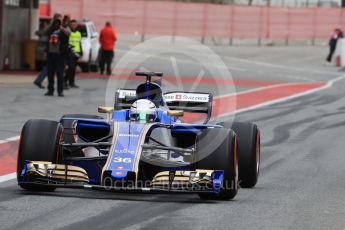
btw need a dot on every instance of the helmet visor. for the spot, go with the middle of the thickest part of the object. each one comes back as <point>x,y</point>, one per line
<point>143,117</point>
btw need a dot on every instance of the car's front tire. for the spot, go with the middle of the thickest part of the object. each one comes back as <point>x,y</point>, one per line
<point>222,157</point>
<point>39,141</point>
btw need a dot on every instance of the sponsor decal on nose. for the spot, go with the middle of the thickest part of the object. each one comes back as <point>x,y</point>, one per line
<point>128,135</point>
<point>125,150</point>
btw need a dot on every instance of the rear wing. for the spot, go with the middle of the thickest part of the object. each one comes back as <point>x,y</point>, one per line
<point>124,98</point>
<point>186,101</point>
<point>190,102</point>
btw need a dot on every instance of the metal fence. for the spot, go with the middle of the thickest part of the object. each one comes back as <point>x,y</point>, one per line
<point>207,20</point>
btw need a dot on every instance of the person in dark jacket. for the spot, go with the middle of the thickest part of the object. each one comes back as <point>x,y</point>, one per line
<point>43,38</point>
<point>56,55</point>
<point>336,35</point>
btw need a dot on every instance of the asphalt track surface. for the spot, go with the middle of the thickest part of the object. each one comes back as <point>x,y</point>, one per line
<point>301,184</point>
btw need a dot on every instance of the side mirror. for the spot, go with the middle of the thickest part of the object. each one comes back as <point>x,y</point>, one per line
<point>105,109</point>
<point>176,113</point>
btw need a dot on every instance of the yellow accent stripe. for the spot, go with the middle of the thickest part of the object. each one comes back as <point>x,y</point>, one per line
<point>139,149</point>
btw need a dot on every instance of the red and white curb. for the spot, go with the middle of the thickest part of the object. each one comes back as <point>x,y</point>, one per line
<point>10,176</point>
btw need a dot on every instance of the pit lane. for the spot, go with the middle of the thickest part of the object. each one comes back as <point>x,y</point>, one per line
<point>301,182</point>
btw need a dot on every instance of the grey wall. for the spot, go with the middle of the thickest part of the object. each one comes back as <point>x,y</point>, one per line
<point>15,28</point>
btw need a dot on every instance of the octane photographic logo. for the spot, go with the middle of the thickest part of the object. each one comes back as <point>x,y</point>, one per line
<point>188,66</point>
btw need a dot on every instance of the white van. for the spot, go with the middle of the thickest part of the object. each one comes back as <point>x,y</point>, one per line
<point>90,45</point>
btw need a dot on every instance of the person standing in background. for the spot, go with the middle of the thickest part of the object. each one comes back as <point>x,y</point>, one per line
<point>337,33</point>
<point>40,78</point>
<point>56,55</point>
<point>107,38</point>
<point>74,55</point>
<point>43,38</point>
<point>65,41</point>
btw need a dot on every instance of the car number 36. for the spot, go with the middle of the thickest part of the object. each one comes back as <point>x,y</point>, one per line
<point>122,160</point>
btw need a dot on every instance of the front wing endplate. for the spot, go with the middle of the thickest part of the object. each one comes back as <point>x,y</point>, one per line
<point>40,171</point>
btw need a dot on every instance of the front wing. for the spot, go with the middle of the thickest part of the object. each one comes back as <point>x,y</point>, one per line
<point>59,175</point>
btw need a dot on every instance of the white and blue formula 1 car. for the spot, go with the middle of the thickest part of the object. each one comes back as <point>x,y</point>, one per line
<point>142,147</point>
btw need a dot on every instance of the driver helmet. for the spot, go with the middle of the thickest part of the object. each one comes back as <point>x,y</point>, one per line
<point>143,110</point>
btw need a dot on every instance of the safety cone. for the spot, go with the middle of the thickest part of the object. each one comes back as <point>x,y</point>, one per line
<point>6,63</point>
<point>338,61</point>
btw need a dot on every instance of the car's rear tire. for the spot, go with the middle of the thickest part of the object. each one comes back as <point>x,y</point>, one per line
<point>39,141</point>
<point>223,157</point>
<point>68,134</point>
<point>248,152</point>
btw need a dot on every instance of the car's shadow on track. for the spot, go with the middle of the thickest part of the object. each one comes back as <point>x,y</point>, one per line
<point>106,195</point>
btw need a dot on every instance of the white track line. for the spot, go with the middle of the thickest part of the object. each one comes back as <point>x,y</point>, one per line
<point>9,139</point>
<point>266,64</point>
<point>326,86</point>
<point>13,138</point>
<point>260,89</point>
<point>8,177</point>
